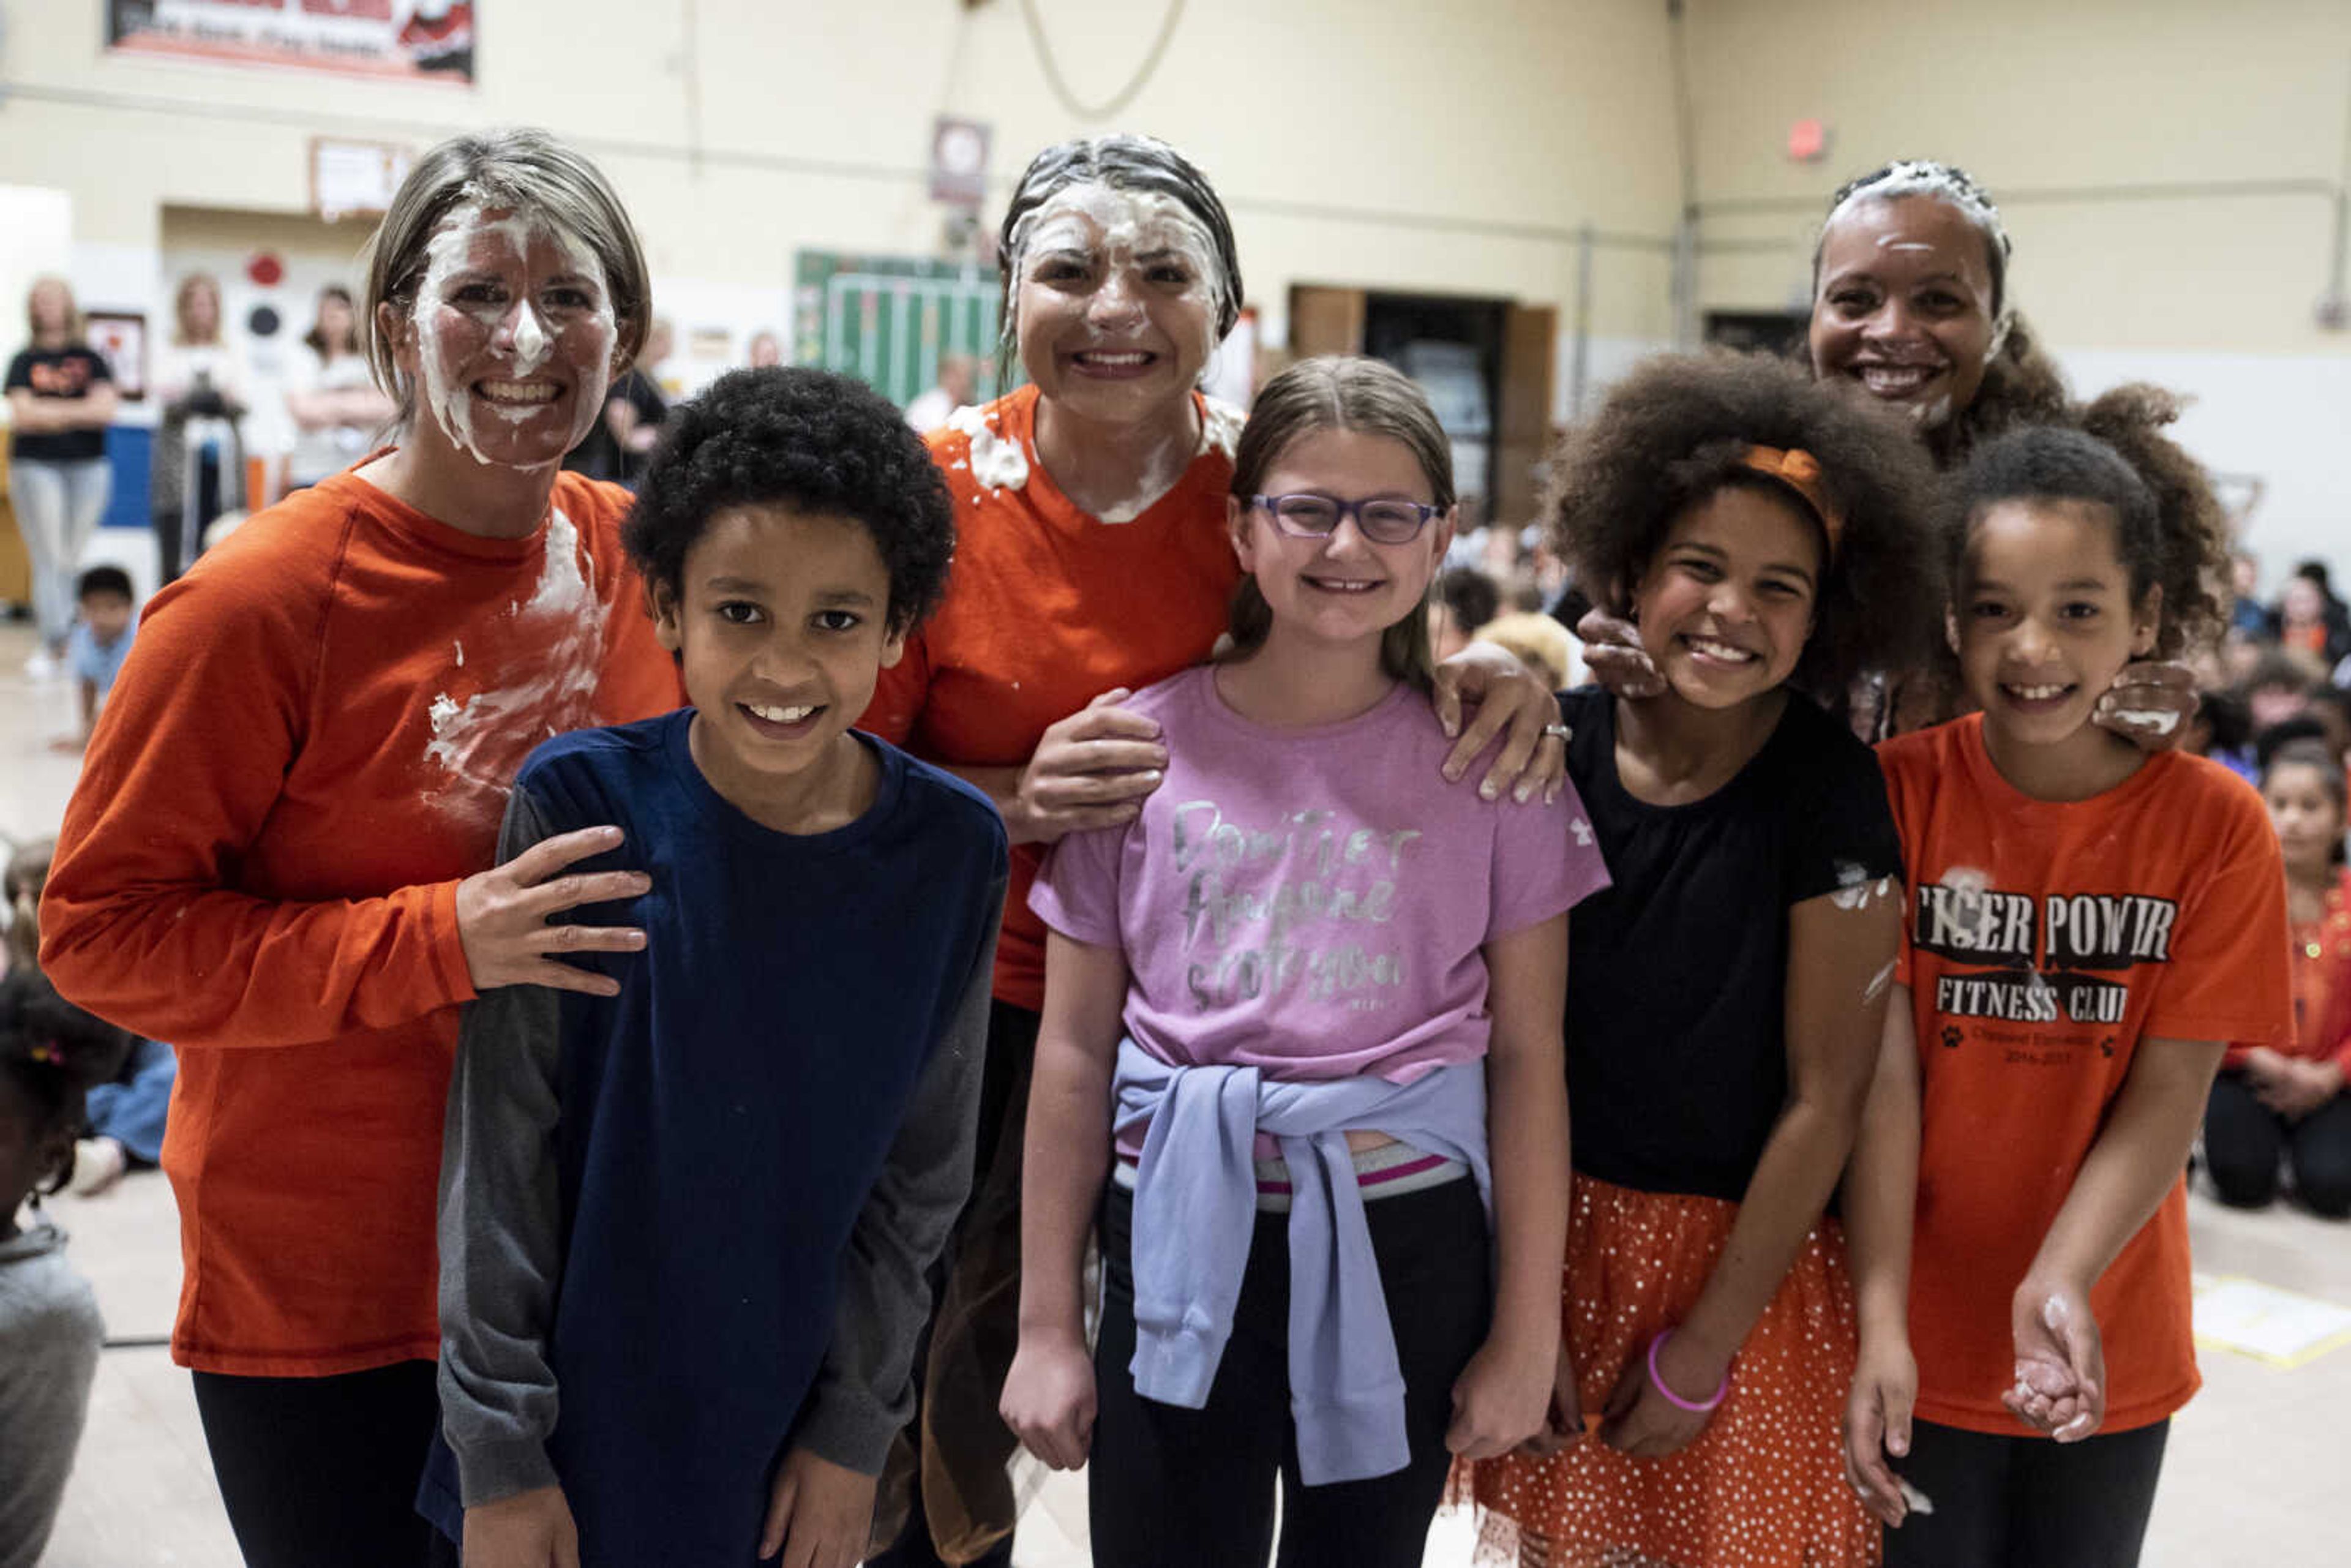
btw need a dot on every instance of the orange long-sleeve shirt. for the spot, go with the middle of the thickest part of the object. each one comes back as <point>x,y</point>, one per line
<point>310,745</point>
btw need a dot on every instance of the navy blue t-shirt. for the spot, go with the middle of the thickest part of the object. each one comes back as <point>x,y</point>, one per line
<point>716,1128</point>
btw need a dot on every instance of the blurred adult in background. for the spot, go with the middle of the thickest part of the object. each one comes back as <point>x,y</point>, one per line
<point>958,383</point>
<point>336,407</point>
<point>200,384</point>
<point>279,856</point>
<point>1465,598</point>
<point>1092,557</point>
<point>621,444</point>
<point>2246,618</point>
<point>60,401</point>
<point>767,349</point>
<point>2310,620</point>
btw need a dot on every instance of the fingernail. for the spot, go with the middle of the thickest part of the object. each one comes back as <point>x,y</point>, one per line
<point>636,938</point>
<point>1452,727</point>
<point>1452,773</point>
<point>1523,793</point>
<point>612,834</point>
<point>1152,774</point>
<point>1488,790</point>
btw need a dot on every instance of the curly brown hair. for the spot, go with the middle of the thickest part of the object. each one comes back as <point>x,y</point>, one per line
<point>2022,386</point>
<point>2190,517</point>
<point>1675,431</point>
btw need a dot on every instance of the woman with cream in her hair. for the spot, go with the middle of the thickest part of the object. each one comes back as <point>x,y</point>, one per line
<point>277,858</point>
<point>1091,560</point>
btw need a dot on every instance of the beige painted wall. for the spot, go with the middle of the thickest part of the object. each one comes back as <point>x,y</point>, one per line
<point>2061,108</point>
<point>1380,142</point>
<point>2069,111</point>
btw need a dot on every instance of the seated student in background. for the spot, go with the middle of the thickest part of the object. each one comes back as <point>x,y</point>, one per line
<point>99,642</point>
<point>2289,1101</point>
<point>50,1051</point>
<point>691,1200</point>
<point>123,1125</point>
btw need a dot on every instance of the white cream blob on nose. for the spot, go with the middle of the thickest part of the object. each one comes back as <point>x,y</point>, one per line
<point>532,340</point>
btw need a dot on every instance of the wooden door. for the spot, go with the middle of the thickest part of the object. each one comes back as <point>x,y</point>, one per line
<point>1324,321</point>
<point>1523,415</point>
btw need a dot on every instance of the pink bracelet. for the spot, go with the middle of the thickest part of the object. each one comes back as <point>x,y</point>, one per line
<point>1673,1399</point>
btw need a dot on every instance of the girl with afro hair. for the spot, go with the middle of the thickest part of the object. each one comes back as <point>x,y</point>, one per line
<point>1767,536</point>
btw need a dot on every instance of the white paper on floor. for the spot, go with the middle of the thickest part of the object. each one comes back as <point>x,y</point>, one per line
<point>2261,1321</point>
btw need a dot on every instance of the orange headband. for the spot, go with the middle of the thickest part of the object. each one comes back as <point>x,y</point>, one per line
<point>1801,472</point>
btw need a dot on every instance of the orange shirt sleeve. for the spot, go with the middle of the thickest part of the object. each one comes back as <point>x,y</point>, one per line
<point>2229,978</point>
<point>142,921</point>
<point>900,693</point>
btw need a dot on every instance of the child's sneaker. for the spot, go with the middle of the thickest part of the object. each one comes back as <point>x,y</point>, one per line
<point>41,668</point>
<point>98,1164</point>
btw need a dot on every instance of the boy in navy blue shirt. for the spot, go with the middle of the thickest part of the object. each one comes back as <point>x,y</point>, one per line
<point>694,1216</point>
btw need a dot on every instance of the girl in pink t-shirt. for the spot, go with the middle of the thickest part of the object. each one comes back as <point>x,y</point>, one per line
<point>1300,1045</point>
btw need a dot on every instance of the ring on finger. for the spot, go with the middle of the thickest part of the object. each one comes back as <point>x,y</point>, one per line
<point>1557,732</point>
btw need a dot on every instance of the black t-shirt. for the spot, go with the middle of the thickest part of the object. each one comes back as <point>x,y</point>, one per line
<point>58,373</point>
<point>1676,976</point>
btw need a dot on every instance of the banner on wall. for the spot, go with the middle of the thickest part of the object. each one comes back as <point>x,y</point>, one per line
<point>414,40</point>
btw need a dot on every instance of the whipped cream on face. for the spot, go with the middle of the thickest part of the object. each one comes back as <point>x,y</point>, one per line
<point>452,404</point>
<point>1111,230</point>
<point>1941,183</point>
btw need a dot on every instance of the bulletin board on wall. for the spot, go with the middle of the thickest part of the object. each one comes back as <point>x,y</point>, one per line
<point>888,320</point>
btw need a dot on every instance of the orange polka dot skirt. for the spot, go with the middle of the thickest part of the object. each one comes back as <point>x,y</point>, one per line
<point>1763,1485</point>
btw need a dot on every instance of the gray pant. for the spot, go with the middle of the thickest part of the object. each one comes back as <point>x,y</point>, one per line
<point>57,505</point>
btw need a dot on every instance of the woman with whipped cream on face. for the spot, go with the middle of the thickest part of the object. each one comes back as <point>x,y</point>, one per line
<point>1911,306</point>
<point>1091,560</point>
<point>279,856</point>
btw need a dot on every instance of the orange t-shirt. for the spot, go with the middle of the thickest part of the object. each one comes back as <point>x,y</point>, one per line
<point>1048,607</point>
<point>310,743</point>
<point>2045,943</point>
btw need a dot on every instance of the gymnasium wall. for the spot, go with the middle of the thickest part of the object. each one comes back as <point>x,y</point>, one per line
<point>2170,170</point>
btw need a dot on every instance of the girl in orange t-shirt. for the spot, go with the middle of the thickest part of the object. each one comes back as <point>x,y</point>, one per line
<point>2085,926</point>
<point>2291,1102</point>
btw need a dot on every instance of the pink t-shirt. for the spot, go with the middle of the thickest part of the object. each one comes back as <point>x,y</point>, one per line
<point>1312,901</point>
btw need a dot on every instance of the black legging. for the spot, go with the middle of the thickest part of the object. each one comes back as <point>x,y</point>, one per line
<point>1169,1488</point>
<point>2244,1140</point>
<point>319,1470</point>
<point>2027,1502</point>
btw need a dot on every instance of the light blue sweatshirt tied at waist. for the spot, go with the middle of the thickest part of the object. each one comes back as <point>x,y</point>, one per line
<point>1195,1209</point>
